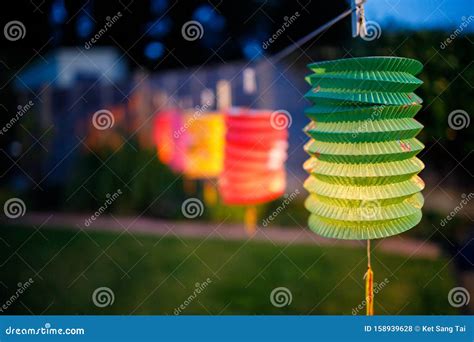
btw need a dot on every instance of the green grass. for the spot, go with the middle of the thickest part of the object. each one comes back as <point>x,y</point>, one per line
<point>155,275</point>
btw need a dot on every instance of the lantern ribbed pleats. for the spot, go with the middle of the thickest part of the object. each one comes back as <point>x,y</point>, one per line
<point>363,181</point>
<point>255,152</point>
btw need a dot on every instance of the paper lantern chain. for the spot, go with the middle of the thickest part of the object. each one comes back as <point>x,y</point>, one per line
<point>363,168</point>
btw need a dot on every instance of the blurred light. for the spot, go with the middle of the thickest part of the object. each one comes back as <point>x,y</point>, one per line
<point>252,49</point>
<point>158,28</point>
<point>154,50</point>
<point>203,14</point>
<point>213,24</point>
<point>84,26</point>
<point>15,149</point>
<point>158,6</point>
<point>20,183</point>
<point>58,12</point>
<point>209,18</point>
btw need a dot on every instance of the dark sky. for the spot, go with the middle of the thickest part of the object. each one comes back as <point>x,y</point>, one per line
<point>150,31</point>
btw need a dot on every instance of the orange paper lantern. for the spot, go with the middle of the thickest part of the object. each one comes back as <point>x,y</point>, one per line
<point>170,147</point>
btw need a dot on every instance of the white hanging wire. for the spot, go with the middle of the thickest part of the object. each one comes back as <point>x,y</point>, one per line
<point>356,8</point>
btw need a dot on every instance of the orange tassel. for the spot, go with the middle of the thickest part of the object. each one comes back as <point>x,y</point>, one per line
<point>369,291</point>
<point>369,285</point>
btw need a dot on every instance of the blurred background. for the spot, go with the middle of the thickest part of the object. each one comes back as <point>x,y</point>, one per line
<point>63,61</point>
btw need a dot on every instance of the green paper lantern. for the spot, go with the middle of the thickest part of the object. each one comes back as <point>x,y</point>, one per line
<point>363,181</point>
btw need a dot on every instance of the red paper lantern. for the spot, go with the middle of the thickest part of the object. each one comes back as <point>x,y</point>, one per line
<point>162,136</point>
<point>255,153</point>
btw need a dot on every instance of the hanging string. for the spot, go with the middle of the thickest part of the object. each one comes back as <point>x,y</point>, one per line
<point>369,284</point>
<point>189,186</point>
<point>250,220</point>
<point>209,193</point>
<point>289,49</point>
